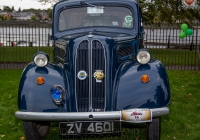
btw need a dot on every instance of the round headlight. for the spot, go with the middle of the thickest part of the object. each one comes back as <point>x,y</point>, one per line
<point>143,57</point>
<point>40,60</point>
<point>57,93</point>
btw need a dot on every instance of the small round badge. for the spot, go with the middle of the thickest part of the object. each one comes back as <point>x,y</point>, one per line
<point>82,75</point>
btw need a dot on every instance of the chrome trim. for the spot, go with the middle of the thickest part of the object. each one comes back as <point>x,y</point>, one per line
<point>90,76</point>
<point>80,116</point>
<point>157,112</point>
<point>72,116</point>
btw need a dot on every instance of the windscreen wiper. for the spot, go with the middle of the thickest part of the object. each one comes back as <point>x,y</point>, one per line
<point>82,3</point>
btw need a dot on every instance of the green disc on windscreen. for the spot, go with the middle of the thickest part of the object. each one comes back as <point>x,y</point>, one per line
<point>128,18</point>
<point>127,24</point>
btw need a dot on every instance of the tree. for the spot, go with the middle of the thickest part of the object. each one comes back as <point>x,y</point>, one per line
<point>38,14</point>
<point>7,9</point>
<point>49,11</point>
<point>13,8</point>
<point>33,18</point>
<point>52,2</point>
<point>5,17</point>
<point>19,10</point>
<point>169,11</point>
<point>1,17</point>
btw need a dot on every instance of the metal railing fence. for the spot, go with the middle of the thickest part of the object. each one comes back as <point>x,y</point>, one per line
<point>18,44</point>
<point>175,53</point>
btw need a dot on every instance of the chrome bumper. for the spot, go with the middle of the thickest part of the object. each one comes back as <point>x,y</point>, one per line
<point>81,116</point>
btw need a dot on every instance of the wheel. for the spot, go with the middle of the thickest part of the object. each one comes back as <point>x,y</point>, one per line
<point>153,129</point>
<point>35,130</point>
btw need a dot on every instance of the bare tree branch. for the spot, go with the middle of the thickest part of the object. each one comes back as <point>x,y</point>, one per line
<point>52,2</point>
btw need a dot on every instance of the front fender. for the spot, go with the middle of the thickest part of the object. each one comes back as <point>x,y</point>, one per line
<point>36,98</point>
<point>132,93</point>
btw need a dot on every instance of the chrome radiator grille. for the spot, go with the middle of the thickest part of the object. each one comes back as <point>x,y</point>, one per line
<point>90,94</point>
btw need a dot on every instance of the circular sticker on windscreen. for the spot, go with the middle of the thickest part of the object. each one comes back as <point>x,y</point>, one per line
<point>128,18</point>
<point>127,24</point>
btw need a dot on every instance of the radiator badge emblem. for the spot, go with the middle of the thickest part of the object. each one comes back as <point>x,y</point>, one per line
<point>98,75</point>
<point>82,75</point>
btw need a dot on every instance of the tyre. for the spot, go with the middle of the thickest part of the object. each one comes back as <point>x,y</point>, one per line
<point>35,130</point>
<point>154,129</point>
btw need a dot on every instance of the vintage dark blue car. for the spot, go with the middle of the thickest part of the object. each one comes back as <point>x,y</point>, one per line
<point>102,78</point>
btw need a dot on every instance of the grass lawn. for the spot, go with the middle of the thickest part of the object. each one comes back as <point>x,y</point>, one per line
<point>176,56</point>
<point>22,54</point>
<point>183,122</point>
<point>167,56</point>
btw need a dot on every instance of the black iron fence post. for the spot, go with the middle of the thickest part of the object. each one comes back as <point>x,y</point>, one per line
<point>48,40</point>
<point>168,44</point>
<point>198,47</point>
<point>39,39</point>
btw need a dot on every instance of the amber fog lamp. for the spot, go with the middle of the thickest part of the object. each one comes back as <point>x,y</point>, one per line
<point>40,80</point>
<point>145,79</point>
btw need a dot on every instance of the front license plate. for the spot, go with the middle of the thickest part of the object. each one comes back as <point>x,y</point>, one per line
<point>137,115</point>
<point>89,127</point>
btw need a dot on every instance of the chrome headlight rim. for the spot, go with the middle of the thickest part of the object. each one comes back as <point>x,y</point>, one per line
<point>61,90</point>
<point>145,54</point>
<point>41,56</point>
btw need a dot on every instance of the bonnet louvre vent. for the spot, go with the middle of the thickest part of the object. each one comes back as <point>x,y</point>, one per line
<point>125,51</point>
<point>61,51</point>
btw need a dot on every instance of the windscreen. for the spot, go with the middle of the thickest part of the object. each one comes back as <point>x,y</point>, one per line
<point>118,17</point>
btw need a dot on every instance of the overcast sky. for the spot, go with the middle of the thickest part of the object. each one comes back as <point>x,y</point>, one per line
<point>23,4</point>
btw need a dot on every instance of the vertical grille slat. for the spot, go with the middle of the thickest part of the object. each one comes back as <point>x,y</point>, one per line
<point>97,93</point>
